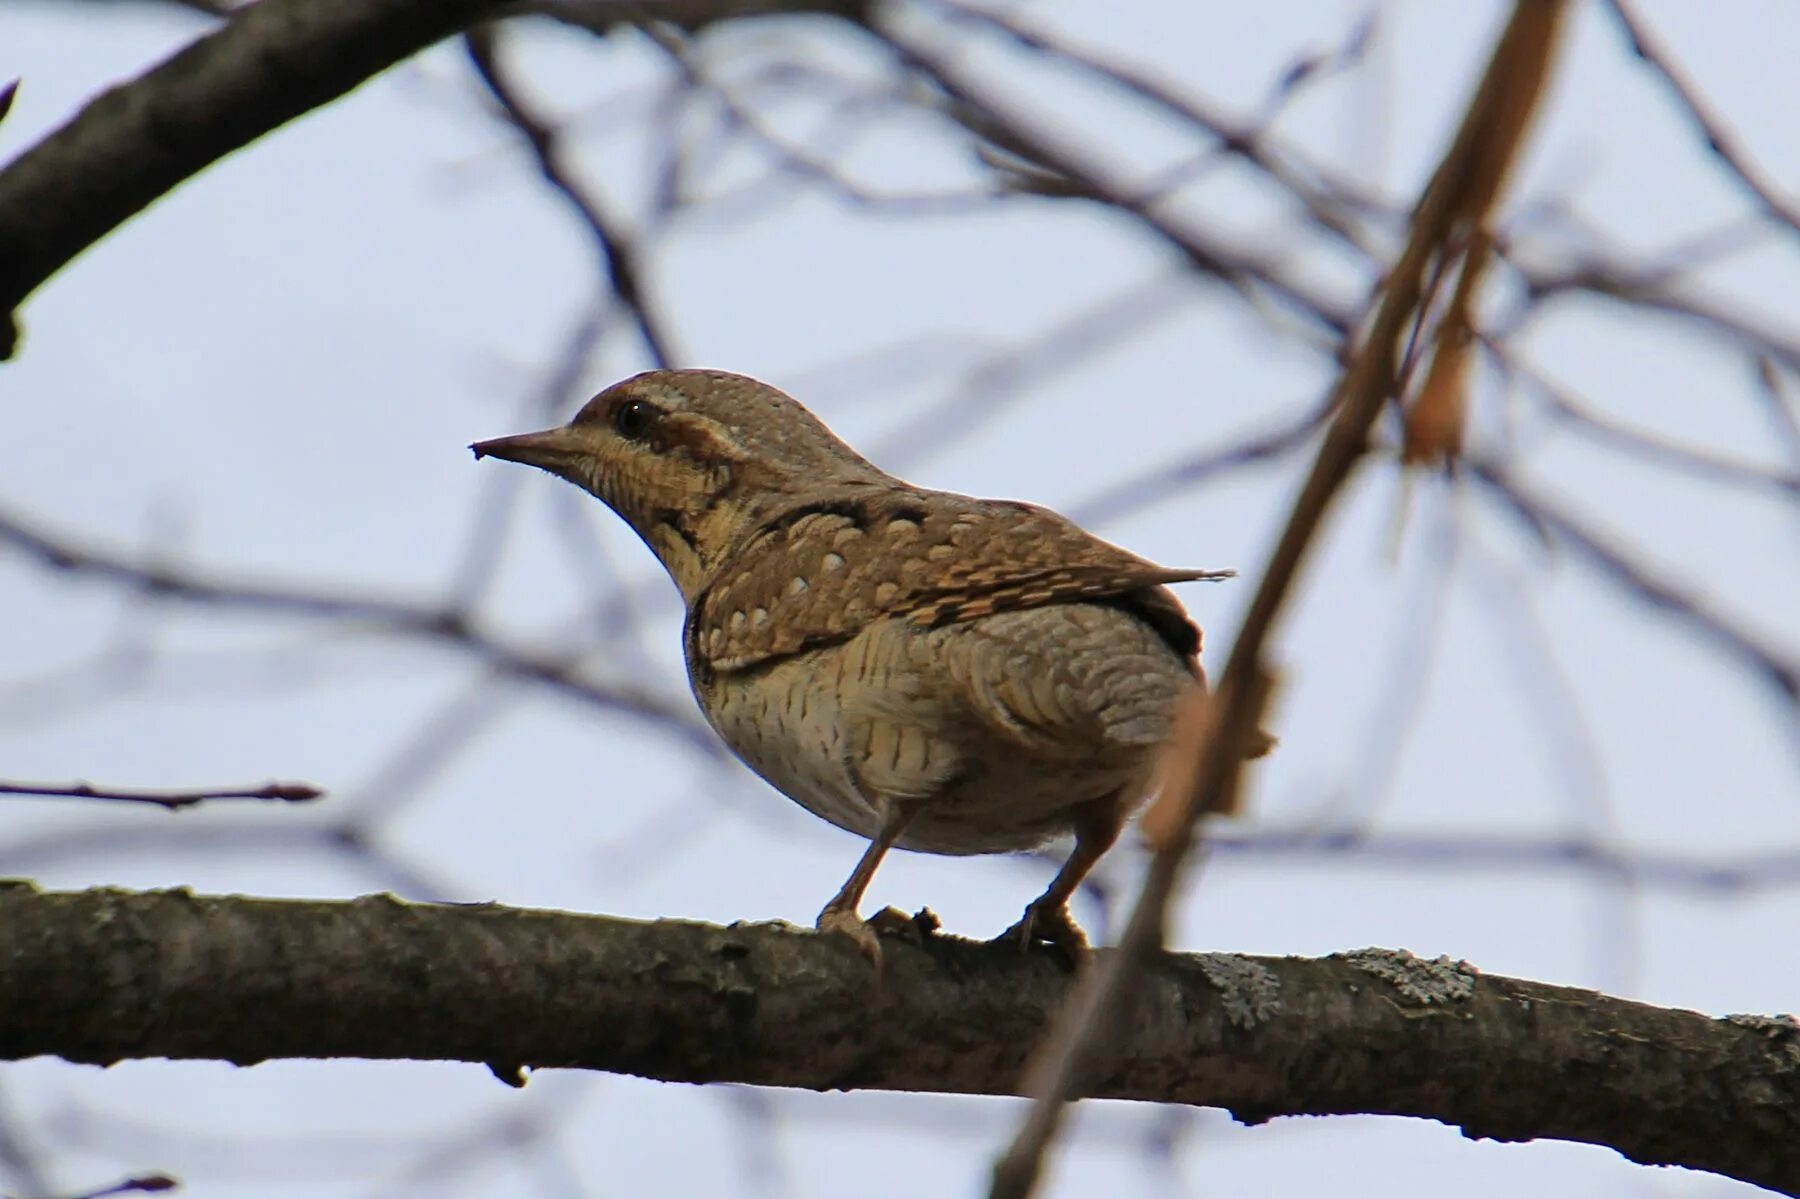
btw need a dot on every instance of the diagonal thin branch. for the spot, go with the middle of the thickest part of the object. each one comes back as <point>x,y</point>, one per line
<point>1330,200</point>
<point>1644,581</point>
<point>1460,194</point>
<point>619,254</point>
<point>1565,406</point>
<point>985,112</point>
<point>1719,139</point>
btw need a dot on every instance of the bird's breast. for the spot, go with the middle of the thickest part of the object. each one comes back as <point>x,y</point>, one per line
<point>994,731</point>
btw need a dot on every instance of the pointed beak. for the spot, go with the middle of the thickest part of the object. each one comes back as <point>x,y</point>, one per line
<point>555,450</point>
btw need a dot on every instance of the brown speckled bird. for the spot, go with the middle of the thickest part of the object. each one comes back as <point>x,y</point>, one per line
<point>924,669</point>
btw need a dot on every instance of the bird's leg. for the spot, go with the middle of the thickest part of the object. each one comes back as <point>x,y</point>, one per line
<point>1047,917</point>
<point>839,916</point>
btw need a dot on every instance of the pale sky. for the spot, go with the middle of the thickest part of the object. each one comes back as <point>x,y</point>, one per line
<point>273,373</point>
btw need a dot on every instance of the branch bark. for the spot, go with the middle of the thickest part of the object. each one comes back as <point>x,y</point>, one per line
<point>104,975</point>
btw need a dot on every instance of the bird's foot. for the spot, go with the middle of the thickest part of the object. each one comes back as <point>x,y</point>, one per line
<point>1053,926</point>
<point>888,922</point>
<point>864,934</point>
<point>846,923</point>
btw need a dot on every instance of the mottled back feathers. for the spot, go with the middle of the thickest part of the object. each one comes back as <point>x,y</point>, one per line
<point>820,572</point>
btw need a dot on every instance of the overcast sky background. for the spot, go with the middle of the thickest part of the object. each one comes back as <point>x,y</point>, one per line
<point>273,373</point>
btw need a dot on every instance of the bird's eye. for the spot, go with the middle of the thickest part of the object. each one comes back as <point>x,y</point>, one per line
<point>633,418</point>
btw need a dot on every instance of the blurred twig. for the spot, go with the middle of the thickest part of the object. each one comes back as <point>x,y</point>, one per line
<point>142,1184</point>
<point>1782,411</point>
<point>996,118</point>
<point>424,621</point>
<point>1721,877</point>
<point>1460,195</point>
<point>1331,201</point>
<point>1566,407</point>
<point>1642,580</point>
<point>1719,139</point>
<point>619,255</point>
<point>1134,495</point>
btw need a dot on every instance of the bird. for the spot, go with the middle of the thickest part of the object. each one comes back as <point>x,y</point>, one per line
<point>928,670</point>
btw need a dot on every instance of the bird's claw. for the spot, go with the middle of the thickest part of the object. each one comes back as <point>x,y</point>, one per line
<point>846,923</point>
<point>1049,926</point>
<point>867,934</point>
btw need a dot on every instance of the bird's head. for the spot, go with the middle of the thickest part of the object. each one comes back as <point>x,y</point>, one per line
<point>690,459</point>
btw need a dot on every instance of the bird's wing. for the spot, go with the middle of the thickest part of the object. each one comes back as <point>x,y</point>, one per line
<point>821,572</point>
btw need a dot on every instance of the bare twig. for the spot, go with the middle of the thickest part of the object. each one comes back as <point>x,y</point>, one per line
<point>548,400</point>
<point>1643,581</point>
<point>818,163</point>
<point>1437,416</point>
<point>1134,495</point>
<point>980,108</point>
<point>1776,869</point>
<point>1594,273</point>
<point>142,1184</point>
<point>1719,139</point>
<point>1564,405</point>
<point>619,255</point>
<point>691,16</point>
<point>1331,201</point>
<point>173,800</point>
<point>343,844</point>
<point>562,672</point>
<point>1782,410</point>
<point>1002,379</point>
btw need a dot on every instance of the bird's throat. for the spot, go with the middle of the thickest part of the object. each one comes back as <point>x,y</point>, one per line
<point>691,543</point>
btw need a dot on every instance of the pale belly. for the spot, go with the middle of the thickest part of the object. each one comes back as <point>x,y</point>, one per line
<point>846,730</point>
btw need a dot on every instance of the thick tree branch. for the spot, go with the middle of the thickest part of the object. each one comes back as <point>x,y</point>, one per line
<point>271,62</point>
<point>264,67</point>
<point>100,976</point>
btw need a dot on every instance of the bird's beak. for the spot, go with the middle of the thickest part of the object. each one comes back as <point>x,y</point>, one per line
<point>555,450</point>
